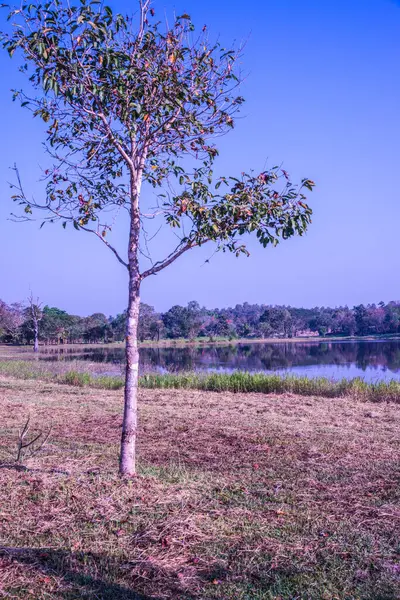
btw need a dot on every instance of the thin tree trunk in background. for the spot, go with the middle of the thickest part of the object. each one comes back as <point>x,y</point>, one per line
<point>36,338</point>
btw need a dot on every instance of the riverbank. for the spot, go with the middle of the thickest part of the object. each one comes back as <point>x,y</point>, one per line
<point>238,496</point>
<point>271,340</point>
<point>202,341</point>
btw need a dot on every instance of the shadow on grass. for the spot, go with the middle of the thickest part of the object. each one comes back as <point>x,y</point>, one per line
<point>88,575</point>
<point>12,466</point>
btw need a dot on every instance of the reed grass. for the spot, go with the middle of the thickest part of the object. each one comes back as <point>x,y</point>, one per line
<point>237,382</point>
<point>23,369</point>
<point>81,379</point>
<point>244,382</point>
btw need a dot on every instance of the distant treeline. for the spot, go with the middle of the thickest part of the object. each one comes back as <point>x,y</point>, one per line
<point>192,321</point>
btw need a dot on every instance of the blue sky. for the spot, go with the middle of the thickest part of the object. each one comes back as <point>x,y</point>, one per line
<point>322,93</point>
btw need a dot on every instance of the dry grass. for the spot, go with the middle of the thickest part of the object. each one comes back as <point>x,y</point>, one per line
<point>240,496</point>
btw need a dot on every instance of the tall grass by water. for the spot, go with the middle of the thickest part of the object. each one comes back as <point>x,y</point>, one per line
<point>237,382</point>
<point>276,384</point>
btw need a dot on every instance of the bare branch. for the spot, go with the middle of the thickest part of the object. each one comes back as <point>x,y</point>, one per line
<point>160,265</point>
<point>29,446</point>
<point>109,246</point>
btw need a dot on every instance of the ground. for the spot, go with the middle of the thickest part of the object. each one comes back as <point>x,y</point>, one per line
<point>239,496</point>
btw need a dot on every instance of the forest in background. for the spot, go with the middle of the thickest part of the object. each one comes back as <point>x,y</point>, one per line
<point>193,321</point>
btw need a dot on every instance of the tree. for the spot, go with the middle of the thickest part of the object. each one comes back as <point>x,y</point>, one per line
<point>392,318</point>
<point>322,322</point>
<point>97,328</point>
<point>156,328</point>
<point>148,323</point>
<point>183,322</point>
<point>194,319</point>
<point>76,328</point>
<point>118,326</point>
<point>362,319</point>
<point>55,324</point>
<point>35,315</point>
<point>11,319</point>
<point>376,318</point>
<point>125,100</point>
<point>343,322</point>
<point>219,326</point>
<point>279,320</point>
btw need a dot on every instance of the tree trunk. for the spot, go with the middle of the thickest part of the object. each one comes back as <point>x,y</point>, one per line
<point>36,339</point>
<point>127,464</point>
<point>129,424</point>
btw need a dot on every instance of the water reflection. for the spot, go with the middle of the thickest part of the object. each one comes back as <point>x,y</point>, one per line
<point>371,360</point>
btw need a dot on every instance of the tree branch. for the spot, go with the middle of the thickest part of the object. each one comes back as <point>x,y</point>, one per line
<point>97,234</point>
<point>160,265</point>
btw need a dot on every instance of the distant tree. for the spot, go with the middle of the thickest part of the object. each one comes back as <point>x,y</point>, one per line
<point>97,328</point>
<point>392,318</point>
<point>376,318</point>
<point>265,329</point>
<point>55,324</point>
<point>125,101</point>
<point>301,318</point>
<point>247,318</point>
<point>118,326</point>
<point>148,323</point>
<point>322,322</point>
<point>243,328</point>
<point>156,329</point>
<point>362,319</point>
<point>219,326</point>
<point>35,315</point>
<point>183,322</point>
<point>343,321</point>
<point>278,319</point>
<point>76,329</point>
<point>11,319</point>
<point>195,319</point>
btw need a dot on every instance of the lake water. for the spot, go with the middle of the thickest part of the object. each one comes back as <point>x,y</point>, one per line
<point>372,360</point>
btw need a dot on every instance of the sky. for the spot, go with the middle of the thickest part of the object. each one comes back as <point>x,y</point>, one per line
<point>322,89</point>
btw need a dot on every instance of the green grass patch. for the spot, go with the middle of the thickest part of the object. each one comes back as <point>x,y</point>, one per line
<point>23,369</point>
<point>82,379</point>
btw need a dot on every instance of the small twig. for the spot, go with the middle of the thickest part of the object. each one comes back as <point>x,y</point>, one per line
<point>22,446</point>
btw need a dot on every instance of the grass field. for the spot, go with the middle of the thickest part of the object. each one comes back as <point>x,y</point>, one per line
<point>240,496</point>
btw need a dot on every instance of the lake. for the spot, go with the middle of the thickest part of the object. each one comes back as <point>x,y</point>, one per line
<point>372,360</point>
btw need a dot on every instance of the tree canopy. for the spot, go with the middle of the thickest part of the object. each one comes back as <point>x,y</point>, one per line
<point>115,103</point>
